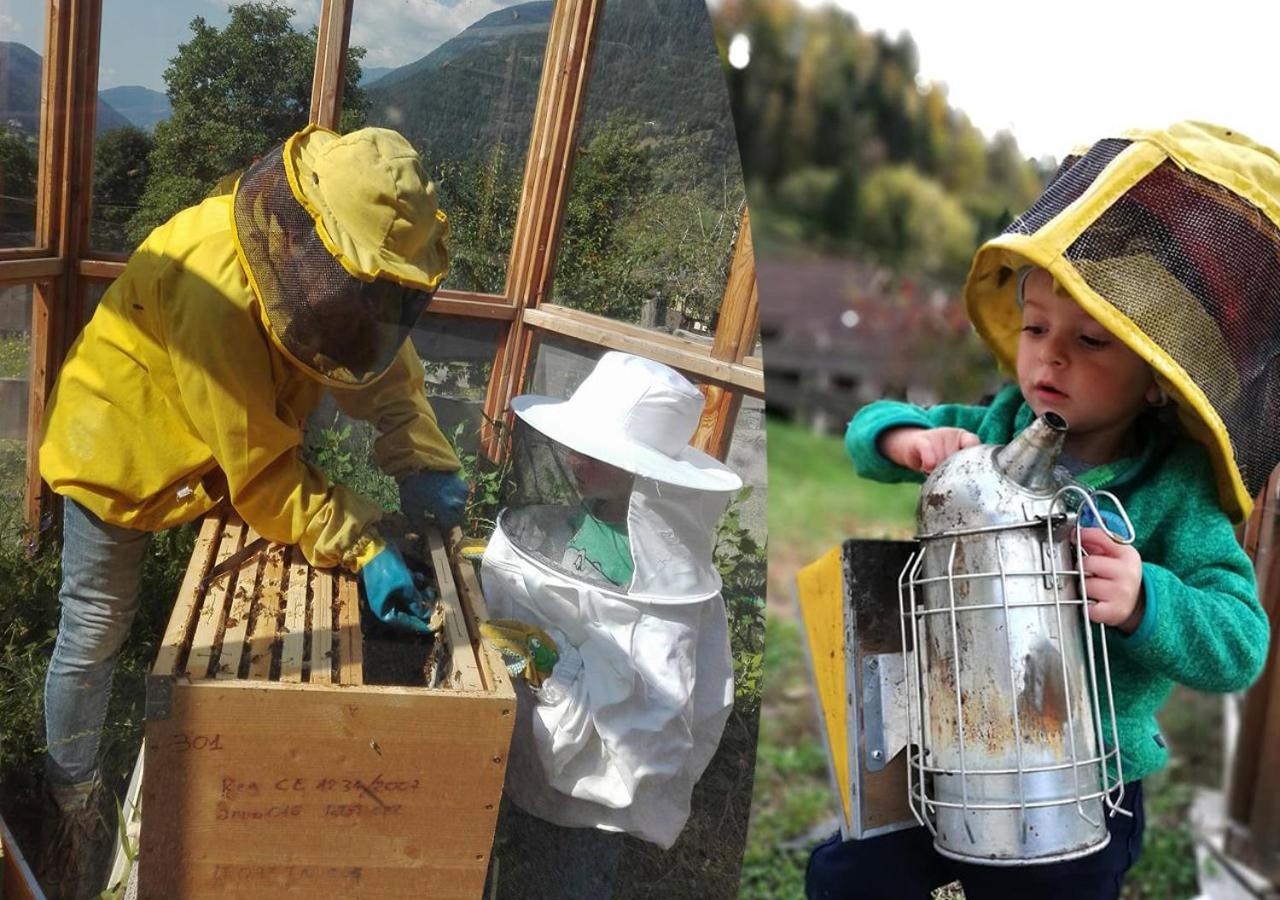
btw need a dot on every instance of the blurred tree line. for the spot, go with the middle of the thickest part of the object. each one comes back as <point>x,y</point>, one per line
<point>847,145</point>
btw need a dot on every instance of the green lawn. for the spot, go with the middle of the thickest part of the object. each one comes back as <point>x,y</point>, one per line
<point>15,355</point>
<point>816,502</point>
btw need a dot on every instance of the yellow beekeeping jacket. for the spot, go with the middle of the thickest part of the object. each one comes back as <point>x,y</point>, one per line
<point>174,396</point>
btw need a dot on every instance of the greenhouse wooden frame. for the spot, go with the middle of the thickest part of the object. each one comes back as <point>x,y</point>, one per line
<point>63,265</point>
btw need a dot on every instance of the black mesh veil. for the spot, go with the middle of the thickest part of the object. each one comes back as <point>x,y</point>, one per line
<point>567,510</point>
<point>340,327</point>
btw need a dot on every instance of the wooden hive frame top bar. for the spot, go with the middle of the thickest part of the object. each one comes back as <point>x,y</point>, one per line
<point>275,618</point>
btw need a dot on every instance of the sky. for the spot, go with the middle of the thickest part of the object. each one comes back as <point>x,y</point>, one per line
<point>1057,75</point>
<point>139,36</point>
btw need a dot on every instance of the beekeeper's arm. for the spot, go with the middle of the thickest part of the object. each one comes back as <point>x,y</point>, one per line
<point>222,365</point>
<point>992,424</point>
<point>1202,624</point>
<point>410,446</point>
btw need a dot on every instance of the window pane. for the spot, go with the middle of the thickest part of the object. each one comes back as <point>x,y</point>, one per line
<point>657,188</point>
<point>21,74</point>
<point>457,354</point>
<point>93,296</point>
<point>15,370</point>
<point>463,91</point>
<point>182,104</point>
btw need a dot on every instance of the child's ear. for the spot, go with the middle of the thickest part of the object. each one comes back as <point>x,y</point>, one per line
<point>1155,395</point>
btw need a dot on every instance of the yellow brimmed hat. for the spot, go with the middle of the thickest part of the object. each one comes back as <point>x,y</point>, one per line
<point>344,245</point>
<point>373,207</point>
<point>1171,240</point>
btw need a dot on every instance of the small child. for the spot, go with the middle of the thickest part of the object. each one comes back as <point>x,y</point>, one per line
<point>607,546</point>
<point>1087,331</point>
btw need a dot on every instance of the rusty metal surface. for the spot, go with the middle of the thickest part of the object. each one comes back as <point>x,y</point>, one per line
<point>1009,768</point>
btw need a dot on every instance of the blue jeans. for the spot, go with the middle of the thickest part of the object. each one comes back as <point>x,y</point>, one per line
<point>903,865</point>
<point>101,571</point>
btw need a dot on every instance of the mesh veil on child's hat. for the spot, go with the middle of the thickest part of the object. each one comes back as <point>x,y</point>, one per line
<point>1171,240</point>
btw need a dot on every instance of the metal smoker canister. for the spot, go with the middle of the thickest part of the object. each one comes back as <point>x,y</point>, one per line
<point>1003,706</point>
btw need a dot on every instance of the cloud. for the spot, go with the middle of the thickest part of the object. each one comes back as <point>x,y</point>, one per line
<point>9,26</point>
<point>397,32</point>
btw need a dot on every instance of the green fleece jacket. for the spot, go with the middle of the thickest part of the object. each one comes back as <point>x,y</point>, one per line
<point>1203,625</point>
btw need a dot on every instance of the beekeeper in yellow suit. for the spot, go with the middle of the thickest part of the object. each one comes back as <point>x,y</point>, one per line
<point>192,385</point>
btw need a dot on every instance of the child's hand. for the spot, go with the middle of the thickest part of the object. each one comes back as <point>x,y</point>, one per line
<point>1113,581</point>
<point>922,449</point>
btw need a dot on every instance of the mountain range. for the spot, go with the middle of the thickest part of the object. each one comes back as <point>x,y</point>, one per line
<point>141,106</point>
<point>655,64</point>
<point>20,92</point>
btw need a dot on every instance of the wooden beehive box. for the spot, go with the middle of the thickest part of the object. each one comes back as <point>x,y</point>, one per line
<point>272,767</point>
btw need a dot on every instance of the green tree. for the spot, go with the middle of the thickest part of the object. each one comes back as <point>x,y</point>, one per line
<point>17,189</point>
<point>119,176</point>
<point>914,224</point>
<point>595,272</point>
<point>236,92</point>
<point>480,196</point>
<point>821,96</point>
<point>805,194</point>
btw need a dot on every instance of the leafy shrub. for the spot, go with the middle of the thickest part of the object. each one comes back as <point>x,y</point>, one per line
<point>15,355</point>
<point>343,451</point>
<point>30,573</point>
<point>742,563</point>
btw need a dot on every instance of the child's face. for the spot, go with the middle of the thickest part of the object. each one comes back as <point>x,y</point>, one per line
<point>598,480</point>
<point>1070,364</point>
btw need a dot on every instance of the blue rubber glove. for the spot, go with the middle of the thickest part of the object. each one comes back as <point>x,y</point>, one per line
<point>388,585</point>
<point>427,495</point>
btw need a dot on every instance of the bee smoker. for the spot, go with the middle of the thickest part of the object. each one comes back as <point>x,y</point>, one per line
<point>1005,715</point>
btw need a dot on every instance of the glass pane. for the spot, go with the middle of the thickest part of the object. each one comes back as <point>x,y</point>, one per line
<point>21,75</point>
<point>657,188</point>
<point>93,296</point>
<point>457,354</point>
<point>15,370</point>
<point>463,91</point>
<point>194,96</point>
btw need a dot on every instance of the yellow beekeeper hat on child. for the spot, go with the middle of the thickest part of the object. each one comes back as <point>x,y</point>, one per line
<point>1171,240</point>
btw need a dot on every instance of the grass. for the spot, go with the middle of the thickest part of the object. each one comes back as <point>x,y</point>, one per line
<point>818,502</point>
<point>13,470</point>
<point>28,625</point>
<point>792,791</point>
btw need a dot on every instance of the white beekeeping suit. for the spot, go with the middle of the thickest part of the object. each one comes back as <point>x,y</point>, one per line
<point>617,568</point>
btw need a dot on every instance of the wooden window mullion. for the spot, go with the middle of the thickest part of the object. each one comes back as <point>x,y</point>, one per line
<point>566,70</point>
<point>62,200</point>
<point>736,333</point>
<point>331,61</point>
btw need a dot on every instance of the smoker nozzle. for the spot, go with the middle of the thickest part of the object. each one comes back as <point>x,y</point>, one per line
<point>1029,459</point>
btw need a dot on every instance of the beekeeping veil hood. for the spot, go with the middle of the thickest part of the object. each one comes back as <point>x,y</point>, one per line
<point>608,546</point>
<point>344,244</point>
<point>1171,240</point>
